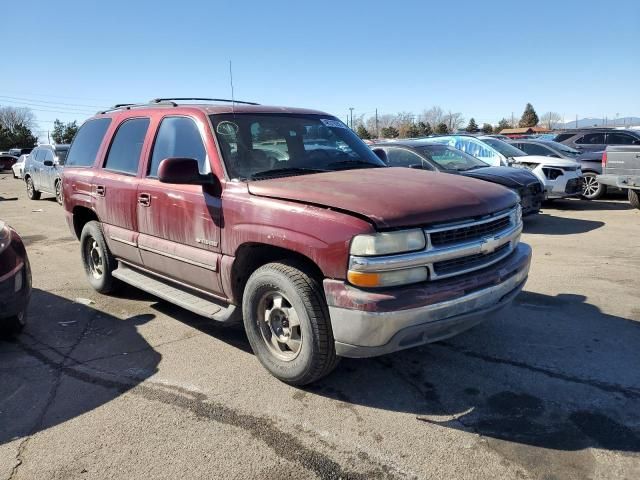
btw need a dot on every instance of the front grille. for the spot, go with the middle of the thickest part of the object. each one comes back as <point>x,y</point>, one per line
<point>470,262</point>
<point>574,185</point>
<point>469,232</point>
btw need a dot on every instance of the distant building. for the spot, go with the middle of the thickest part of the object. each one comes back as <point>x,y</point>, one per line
<point>516,132</point>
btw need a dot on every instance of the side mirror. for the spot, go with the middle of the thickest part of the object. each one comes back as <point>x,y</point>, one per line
<point>183,171</point>
<point>48,163</point>
<point>381,154</point>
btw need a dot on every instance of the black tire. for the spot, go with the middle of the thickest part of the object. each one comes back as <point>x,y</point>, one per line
<point>316,355</point>
<point>12,326</point>
<point>634,198</point>
<point>591,189</point>
<point>97,260</point>
<point>58,190</point>
<point>32,193</point>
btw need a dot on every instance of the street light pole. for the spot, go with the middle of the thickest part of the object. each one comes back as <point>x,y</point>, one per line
<point>351,121</point>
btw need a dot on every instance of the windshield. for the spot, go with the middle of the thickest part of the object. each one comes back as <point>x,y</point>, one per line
<point>256,146</point>
<point>503,147</point>
<point>470,145</point>
<point>451,159</point>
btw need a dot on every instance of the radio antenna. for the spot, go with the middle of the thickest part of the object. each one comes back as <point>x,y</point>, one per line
<point>232,97</point>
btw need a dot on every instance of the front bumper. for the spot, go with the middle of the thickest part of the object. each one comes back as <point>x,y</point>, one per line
<point>371,323</point>
<point>531,198</point>
<point>15,290</point>
<point>620,181</point>
<point>567,185</point>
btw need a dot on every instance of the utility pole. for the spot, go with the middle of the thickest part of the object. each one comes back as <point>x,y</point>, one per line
<point>576,120</point>
<point>512,124</point>
<point>377,123</point>
<point>48,138</point>
<point>351,110</point>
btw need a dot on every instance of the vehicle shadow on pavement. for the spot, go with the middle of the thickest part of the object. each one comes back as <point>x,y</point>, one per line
<point>577,205</point>
<point>69,360</point>
<point>545,224</point>
<point>551,372</point>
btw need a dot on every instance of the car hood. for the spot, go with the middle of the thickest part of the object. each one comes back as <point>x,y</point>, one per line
<point>507,176</point>
<point>546,161</point>
<point>391,197</point>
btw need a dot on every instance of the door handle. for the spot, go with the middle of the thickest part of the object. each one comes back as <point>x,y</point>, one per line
<point>144,199</point>
<point>100,190</point>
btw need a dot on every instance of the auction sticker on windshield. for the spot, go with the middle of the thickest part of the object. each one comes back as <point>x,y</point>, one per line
<point>328,122</point>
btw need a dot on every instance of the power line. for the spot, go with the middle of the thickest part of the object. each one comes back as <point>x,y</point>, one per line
<point>57,96</point>
<point>12,103</point>
<point>51,103</point>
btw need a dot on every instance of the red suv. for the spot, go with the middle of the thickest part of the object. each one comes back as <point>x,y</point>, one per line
<point>285,218</point>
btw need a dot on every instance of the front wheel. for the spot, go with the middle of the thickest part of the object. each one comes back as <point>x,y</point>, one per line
<point>32,193</point>
<point>97,259</point>
<point>591,188</point>
<point>634,198</point>
<point>59,191</point>
<point>287,323</point>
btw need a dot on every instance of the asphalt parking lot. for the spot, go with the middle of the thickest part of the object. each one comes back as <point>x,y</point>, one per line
<point>128,386</point>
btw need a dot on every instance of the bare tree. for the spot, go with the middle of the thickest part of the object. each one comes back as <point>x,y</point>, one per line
<point>454,121</point>
<point>12,117</point>
<point>433,116</point>
<point>384,121</point>
<point>550,119</point>
<point>404,121</point>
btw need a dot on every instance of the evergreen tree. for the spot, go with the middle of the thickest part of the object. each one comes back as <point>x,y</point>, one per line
<point>529,117</point>
<point>425,129</point>
<point>414,131</point>
<point>487,128</point>
<point>389,132</point>
<point>442,128</point>
<point>502,124</point>
<point>18,137</point>
<point>64,133</point>
<point>473,126</point>
<point>363,133</point>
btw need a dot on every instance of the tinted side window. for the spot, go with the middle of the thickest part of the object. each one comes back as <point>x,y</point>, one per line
<point>617,138</point>
<point>399,157</point>
<point>124,153</point>
<point>591,139</point>
<point>87,142</point>
<point>177,137</point>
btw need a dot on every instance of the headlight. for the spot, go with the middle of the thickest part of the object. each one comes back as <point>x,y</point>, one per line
<point>388,242</point>
<point>5,236</point>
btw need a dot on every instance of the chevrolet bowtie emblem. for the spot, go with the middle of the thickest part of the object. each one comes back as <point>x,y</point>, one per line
<point>489,244</point>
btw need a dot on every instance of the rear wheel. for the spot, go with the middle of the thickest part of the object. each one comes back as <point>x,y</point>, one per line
<point>98,261</point>
<point>287,323</point>
<point>32,193</point>
<point>634,198</point>
<point>591,188</point>
<point>59,191</point>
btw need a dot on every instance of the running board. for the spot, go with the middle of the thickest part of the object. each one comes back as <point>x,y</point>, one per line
<point>181,296</point>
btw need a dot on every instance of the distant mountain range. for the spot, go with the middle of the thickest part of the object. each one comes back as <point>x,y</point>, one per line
<point>600,122</point>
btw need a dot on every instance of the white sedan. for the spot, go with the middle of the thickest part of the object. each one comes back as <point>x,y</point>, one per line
<point>18,167</point>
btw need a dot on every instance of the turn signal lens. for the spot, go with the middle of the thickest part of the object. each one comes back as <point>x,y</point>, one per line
<point>393,278</point>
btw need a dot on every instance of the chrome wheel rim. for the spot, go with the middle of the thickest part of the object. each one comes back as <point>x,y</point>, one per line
<point>58,192</point>
<point>590,185</point>
<point>94,258</point>
<point>30,187</point>
<point>279,326</point>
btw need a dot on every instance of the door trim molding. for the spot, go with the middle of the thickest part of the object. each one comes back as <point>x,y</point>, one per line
<point>122,240</point>
<point>213,268</point>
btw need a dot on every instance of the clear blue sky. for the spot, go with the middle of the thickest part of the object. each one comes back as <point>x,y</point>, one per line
<point>485,59</point>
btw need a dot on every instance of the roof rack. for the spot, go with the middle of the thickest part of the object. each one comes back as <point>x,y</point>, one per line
<point>180,99</point>
<point>157,102</point>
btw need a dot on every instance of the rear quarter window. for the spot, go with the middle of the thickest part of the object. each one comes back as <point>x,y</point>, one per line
<point>87,142</point>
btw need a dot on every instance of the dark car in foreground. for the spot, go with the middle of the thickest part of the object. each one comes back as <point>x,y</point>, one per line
<point>444,158</point>
<point>15,281</point>
<point>7,161</point>
<point>590,161</point>
<point>321,250</point>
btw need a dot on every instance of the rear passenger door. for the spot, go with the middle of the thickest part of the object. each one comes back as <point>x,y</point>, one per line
<point>115,187</point>
<point>179,225</point>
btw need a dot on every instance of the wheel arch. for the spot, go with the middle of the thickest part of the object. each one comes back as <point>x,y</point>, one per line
<point>252,255</point>
<point>81,216</point>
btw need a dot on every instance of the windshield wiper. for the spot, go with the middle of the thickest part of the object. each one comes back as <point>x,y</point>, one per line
<point>348,163</point>
<point>283,172</point>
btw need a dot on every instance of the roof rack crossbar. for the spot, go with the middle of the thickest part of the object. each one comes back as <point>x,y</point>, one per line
<point>159,100</point>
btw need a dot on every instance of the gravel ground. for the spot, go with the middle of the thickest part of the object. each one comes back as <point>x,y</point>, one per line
<point>131,387</point>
